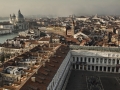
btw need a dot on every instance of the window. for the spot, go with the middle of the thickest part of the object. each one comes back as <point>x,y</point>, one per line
<point>85,59</point>
<point>109,61</point>
<point>93,60</point>
<point>117,61</point>
<point>105,60</point>
<point>77,59</point>
<point>101,60</point>
<point>81,59</point>
<point>88,59</point>
<point>96,60</point>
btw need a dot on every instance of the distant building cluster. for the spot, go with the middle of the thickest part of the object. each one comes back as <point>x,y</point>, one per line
<point>18,21</point>
<point>15,23</point>
<point>43,55</point>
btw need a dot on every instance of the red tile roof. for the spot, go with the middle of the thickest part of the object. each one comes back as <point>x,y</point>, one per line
<point>45,74</point>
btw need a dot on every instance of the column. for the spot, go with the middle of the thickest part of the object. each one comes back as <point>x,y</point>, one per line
<point>90,68</point>
<point>111,62</point>
<point>106,69</point>
<point>103,61</point>
<point>94,68</point>
<point>115,61</point>
<point>79,67</point>
<point>79,58</point>
<point>102,68</point>
<point>87,59</point>
<point>110,69</point>
<point>95,61</point>
<point>98,60</point>
<point>90,60</point>
<point>83,59</point>
<point>86,67</point>
<point>115,70</point>
<point>98,68</point>
<point>107,61</point>
<point>83,67</point>
<point>75,59</point>
<point>75,66</point>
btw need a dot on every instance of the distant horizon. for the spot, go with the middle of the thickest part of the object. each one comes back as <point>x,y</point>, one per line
<point>60,7</point>
<point>51,16</point>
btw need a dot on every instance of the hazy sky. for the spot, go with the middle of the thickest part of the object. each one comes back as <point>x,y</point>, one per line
<point>60,7</point>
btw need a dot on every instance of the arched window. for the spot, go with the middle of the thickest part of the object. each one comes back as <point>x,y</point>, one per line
<point>109,61</point>
<point>113,61</point>
<point>105,60</point>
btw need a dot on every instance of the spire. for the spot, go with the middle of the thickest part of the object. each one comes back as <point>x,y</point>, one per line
<point>10,15</point>
<point>19,11</point>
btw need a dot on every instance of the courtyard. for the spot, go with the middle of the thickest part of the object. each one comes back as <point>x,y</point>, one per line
<point>89,80</point>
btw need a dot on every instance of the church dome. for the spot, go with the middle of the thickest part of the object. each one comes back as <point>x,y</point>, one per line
<point>20,15</point>
<point>13,16</point>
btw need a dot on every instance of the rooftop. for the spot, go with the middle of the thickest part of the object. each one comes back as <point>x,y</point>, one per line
<point>45,74</point>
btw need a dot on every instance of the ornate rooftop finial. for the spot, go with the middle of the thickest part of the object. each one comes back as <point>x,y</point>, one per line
<point>19,11</point>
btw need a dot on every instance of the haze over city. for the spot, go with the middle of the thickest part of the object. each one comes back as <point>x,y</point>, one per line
<point>60,7</point>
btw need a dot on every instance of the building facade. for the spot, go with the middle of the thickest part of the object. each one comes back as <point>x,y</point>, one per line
<point>89,60</point>
<point>18,21</point>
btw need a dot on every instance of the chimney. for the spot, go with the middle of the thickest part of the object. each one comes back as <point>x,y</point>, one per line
<point>48,60</point>
<point>33,79</point>
<point>44,64</point>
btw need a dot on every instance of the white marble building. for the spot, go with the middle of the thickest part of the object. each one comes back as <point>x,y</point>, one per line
<point>91,59</point>
<point>18,21</point>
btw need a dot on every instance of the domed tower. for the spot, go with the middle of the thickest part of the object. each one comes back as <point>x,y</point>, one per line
<point>20,17</point>
<point>12,19</point>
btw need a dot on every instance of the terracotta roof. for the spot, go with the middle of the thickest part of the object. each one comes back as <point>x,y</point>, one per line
<point>72,40</point>
<point>45,39</point>
<point>45,74</point>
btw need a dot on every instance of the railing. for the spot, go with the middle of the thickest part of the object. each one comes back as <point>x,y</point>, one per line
<point>97,48</point>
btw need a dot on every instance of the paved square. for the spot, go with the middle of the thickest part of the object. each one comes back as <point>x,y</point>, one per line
<point>78,80</point>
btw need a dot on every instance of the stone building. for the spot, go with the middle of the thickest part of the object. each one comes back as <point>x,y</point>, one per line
<point>18,21</point>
